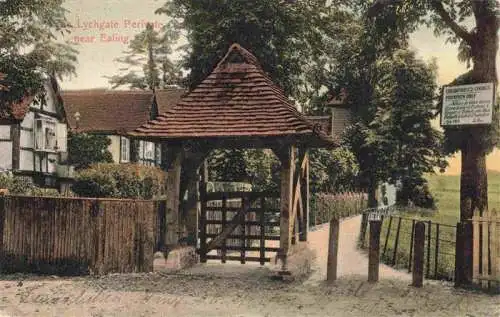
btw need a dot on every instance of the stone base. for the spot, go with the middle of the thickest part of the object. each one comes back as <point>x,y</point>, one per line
<point>298,264</point>
<point>177,259</point>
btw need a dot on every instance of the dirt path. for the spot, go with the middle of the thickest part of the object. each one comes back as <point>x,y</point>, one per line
<point>245,291</point>
<point>351,260</point>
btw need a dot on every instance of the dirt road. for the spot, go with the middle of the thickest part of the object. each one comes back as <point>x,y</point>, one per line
<point>246,291</point>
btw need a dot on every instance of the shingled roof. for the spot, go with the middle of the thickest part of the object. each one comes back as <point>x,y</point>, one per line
<point>167,98</point>
<point>107,111</point>
<point>236,100</point>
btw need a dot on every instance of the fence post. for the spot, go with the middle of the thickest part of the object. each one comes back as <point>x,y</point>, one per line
<point>418,255</point>
<point>411,244</point>
<point>2,224</point>
<point>387,235</point>
<point>396,242</point>
<point>374,251</point>
<point>333,248</point>
<point>429,235</point>
<point>364,225</point>
<point>436,255</point>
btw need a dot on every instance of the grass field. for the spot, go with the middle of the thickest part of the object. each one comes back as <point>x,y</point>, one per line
<point>446,189</point>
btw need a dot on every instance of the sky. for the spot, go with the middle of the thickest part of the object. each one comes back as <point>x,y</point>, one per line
<point>103,28</point>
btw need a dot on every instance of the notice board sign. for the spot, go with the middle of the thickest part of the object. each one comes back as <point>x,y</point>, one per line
<point>468,104</point>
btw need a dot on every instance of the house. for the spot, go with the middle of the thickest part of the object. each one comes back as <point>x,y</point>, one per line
<point>33,136</point>
<point>115,113</point>
<point>338,120</point>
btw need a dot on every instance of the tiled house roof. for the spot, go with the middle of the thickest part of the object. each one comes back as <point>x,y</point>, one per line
<point>167,98</point>
<point>107,111</point>
<point>237,99</point>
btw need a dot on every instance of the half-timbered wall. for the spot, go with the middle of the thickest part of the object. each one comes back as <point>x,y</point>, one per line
<point>31,157</point>
<point>5,148</point>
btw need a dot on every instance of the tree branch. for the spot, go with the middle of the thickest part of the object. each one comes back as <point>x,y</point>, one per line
<point>460,31</point>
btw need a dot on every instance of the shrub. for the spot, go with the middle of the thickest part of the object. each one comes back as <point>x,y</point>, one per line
<point>120,181</point>
<point>21,186</point>
<point>324,207</point>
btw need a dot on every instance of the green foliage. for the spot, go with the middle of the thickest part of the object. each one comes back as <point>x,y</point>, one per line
<point>258,167</point>
<point>147,61</point>
<point>28,46</point>
<point>289,40</point>
<point>332,171</point>
<point>120,181</point>
<point>324,207</point>
<point>20,186</point>
<point>416,189</point>
<point>87,149</point>
<point>393,138</point>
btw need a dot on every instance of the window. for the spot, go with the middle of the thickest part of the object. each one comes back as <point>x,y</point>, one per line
<point>50,136</point>
<point>124,150</point>
<point>149,151</point>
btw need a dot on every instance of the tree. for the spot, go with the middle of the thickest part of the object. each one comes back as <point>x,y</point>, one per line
<point>333,171</point>
<point>148,65</point>
<point>405,93</point>
<point>287,39</point>
<point>28,47</point>
<point>85,150</point>
<point>255,166</point>
<point>480,44</point>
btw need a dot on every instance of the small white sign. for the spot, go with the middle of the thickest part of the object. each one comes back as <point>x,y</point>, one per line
<point>377,213</point>
<point>468,104</point>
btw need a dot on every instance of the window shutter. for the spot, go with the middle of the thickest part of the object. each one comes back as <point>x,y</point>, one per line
<point>62,137</point>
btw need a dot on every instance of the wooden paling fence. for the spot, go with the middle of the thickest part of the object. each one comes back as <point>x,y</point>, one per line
<point>78,235</point>
<point>486,247</point>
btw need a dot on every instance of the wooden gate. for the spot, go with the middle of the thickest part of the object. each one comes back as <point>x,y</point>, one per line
<point>486,255</point>
<point>239,226</point>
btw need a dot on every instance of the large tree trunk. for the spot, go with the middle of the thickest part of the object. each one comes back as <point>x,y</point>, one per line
<point>474,180</point>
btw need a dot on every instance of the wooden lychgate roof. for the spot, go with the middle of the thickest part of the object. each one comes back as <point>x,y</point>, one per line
<point>237,100</point>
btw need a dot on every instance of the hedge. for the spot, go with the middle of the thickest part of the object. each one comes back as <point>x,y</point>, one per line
<point>131,181</point>
<point>17,185</point>
<point>324,206</point>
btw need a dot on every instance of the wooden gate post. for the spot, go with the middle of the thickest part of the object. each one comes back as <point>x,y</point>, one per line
<point>418,255</point>
<point>173,199</point>
<point>374,251</point>
<point>333,248</point>
<point>287,158</point>
<point>202,190</point>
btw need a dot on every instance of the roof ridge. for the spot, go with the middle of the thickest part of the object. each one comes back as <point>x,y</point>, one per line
<point>247,55</point>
